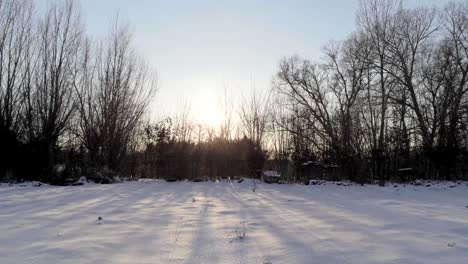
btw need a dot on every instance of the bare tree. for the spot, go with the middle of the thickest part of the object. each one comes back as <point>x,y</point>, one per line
<point>15,44</point>
<point>183,124</point>
<point>49,102</point>
<point>15,28</point>
<point>279,135</point>
<point>374,20</point>
<point>348,66</point>
<point>455,24</point>
<point>113,95</point>
<point>304,85</point>
<point>254,116</point>
<point>412,30</point>
<point>227,122</point>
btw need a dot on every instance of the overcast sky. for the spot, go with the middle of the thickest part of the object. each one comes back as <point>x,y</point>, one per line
<point>200,47</point>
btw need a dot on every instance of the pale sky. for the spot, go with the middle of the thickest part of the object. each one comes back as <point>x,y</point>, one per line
<point>200,47</point>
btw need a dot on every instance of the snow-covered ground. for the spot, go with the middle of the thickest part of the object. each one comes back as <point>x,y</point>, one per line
<point>158,222</point>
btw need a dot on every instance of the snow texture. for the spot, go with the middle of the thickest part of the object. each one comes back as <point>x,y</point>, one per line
<point>182,222</point>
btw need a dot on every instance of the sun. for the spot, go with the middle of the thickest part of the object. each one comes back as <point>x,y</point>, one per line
<point>210,116</point>
<point>207,110</point>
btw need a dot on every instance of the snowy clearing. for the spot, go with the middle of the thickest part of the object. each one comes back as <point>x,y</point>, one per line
<point>182,222</point>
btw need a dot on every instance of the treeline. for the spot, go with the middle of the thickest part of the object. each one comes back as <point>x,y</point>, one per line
<point>69,105</point>
<point>176,150</point>
<point>388,103</point>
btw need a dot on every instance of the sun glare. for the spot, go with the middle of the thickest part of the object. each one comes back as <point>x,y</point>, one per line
<point>210,116</point>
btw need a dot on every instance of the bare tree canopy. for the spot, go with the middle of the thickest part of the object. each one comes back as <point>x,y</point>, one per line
<point>389,94</point>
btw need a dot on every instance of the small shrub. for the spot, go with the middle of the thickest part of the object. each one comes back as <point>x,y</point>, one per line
<point>241,231</point>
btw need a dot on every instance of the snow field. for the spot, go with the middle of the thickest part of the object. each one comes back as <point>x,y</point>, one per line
<point>183,222</point>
